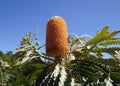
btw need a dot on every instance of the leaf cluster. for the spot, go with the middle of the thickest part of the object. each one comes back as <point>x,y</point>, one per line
<point>85,62</point>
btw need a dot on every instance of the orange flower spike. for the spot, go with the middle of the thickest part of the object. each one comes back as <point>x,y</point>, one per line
<point>56,37</point>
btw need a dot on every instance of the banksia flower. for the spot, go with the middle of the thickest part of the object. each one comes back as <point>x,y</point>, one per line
<point>56,37</point>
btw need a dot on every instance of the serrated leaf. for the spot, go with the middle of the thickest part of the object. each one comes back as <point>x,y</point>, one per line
<point>99,36</point>
<point>112,34</point>
<point>90,70</point>
<point>110,42</point>
<point>104,30</point>
<point>107,50</point>
<point>19,54</point>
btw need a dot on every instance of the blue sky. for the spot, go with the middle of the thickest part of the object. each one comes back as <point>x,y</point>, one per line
<point>18,17</point>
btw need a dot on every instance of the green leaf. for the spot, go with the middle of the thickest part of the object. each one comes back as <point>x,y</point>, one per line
<point>112,34</point>
<point>99,36</point>
<point>107,50</point>
<point>90,70</point>
<point>110,42</point>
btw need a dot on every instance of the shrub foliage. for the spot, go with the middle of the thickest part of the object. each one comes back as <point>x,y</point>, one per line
<point>85,64</point>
